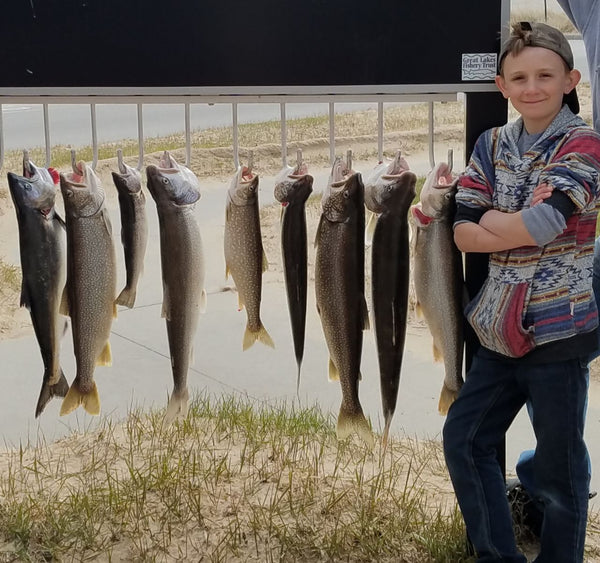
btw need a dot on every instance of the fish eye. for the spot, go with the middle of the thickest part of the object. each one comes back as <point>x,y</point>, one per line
<point>69,193</point>
<point>346,194</point>
<point>164,180</point>
<point>449,195</point>
<point>28,186</point>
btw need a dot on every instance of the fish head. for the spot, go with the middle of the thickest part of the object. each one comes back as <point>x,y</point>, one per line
<point>172,182</point>
<point>243,189</point>
<point>343,199</point>
<point>36,189</point>
<point>437,194</point>
<point>82,193</point>
<point>293,184</point>
<point>390,187</point>
<point>127,180</point>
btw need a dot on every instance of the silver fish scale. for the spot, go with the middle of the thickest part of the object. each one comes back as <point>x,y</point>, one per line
<point>183,272</point>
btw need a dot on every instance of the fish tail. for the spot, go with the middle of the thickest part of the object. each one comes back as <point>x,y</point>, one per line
<point>354,422</point>
<point>127,297</point>
<point>177,407</point>
<point>48,391</point>
<point>447,397</point>
<point>251,336</point>
<point>74,398</point>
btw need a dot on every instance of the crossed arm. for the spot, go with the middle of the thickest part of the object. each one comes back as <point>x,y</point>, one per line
<point>496,230</point>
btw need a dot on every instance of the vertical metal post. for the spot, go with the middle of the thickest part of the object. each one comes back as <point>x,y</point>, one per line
<point>236,148</point>
<point>1,139</point>
<point>46,134</point>
<point>331,132</point>
<point>94,136</point>
<point>430,137</point>
<point>140,124</point>
<point>188,136</point>
<point>380,131</point>
<point>283,135</point>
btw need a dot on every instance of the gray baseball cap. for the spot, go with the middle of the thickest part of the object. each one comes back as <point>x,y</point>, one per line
<point>537,34</point>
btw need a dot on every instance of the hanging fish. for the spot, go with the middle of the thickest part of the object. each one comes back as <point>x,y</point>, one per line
<point>91,283</point>
<point>245,258</point>
<point>134,228</point>
<point>390,197</point>
<point>42,250</point>
<point>339,286</point>
<point>175,190</point>
<point>293,186</point>
<point>438,276</point>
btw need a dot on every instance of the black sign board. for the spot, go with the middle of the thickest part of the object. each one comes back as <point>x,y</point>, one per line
<point>220,46</point>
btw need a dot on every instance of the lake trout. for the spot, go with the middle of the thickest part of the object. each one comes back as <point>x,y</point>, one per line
<point>390,196</point>
<point>438,276</point>
<point>43,266</point>
<point>91,283</point>
<point>175,190</point>
<point>245,258</point>
<point>134,228</point>
<point>293,186</point>
<point>339,286</point>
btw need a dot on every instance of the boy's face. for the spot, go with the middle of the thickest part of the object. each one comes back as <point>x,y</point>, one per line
<point>534,81</point>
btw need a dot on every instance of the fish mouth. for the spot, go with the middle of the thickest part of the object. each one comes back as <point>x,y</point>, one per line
<point>443,176</point>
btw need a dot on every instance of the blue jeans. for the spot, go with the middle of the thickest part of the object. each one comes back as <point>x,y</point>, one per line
<point>493,393</point>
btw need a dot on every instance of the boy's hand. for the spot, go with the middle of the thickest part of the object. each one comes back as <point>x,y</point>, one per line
<point>540,193</point>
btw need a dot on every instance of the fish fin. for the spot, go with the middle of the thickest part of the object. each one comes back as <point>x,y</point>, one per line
<point>250,337</point>
<point>177,408</point>
<point>241,303</point>
<point>437,354</point>
<point>105,357</point>
<point>366,325</point>
<point>334,374</point>
<point>107,223</point>
<point>63,308</point>
<point>115,313</point>
<point>370,228</point>
<point>419,310</point>
<point>60,220</point>
<point>126,297</point>
<point>25,301</point>
<point>74,398</point>
<point>447,397</point>
<point>360,376</point>
<point>203,300</point>
<point>265,262</point>
<point>227,271</point>
<point>48,391</point>
<point>348,423</point>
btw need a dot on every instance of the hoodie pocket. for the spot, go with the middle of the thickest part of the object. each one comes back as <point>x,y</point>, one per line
<point>496,315</point>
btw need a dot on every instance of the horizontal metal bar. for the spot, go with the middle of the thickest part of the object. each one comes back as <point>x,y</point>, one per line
<point>229,92</point>
<point>341,98</point>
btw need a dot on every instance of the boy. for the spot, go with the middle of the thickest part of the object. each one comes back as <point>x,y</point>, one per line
<point>535,315</point>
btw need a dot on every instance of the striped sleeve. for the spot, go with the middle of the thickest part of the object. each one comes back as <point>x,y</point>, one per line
<point>575,167</point>
<point>476,183</point>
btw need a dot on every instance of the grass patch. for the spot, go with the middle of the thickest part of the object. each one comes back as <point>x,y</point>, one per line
<point>233,482</point>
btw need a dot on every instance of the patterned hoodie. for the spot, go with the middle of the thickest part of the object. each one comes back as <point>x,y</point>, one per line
<point>535,295</point>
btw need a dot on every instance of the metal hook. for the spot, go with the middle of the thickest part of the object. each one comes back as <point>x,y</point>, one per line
<point>450,159</point>
<point>250,162</point>
<point>76,168</point>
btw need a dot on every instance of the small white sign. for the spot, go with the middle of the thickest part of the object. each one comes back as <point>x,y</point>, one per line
<point>479,66</point>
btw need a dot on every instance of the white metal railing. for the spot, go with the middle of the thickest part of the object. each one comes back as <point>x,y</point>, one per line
<point>186,101</point>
